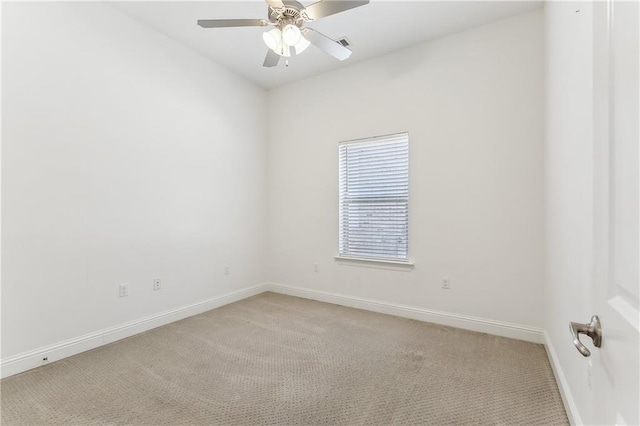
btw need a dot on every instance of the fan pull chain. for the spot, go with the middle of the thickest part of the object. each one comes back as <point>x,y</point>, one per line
<point>286,63</point>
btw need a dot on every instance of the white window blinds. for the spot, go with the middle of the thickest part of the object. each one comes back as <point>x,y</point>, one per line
<point>374,197</point>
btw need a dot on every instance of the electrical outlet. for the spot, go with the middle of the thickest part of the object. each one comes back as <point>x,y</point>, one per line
<point>315,267</point>
<point>124,290</point>
<point>446,285</point>
<point>157,284</point>
<point>227,269</point>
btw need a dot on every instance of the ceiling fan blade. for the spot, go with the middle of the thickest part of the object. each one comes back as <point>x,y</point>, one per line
<point>275,3</point>
<point>327,45</point>
<point>223,23</point>
<point>271,60</point>
<point>331,7</point>
<point>293,3</point>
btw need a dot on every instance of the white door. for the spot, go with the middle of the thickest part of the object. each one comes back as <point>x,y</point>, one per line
<point>615,366</point>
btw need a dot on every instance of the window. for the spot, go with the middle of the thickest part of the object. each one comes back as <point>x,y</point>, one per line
<point>374,198</point>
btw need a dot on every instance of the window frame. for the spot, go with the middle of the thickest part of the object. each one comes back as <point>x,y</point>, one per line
<point>372,260</point>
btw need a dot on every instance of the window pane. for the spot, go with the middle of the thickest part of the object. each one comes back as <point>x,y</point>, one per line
<point>374,197</point>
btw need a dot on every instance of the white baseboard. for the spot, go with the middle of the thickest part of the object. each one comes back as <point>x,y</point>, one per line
<point>514,331</point>
<point>32,359</point>
<point>565,392</point>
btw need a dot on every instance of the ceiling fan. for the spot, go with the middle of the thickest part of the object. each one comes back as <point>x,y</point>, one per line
<point>288,18</point>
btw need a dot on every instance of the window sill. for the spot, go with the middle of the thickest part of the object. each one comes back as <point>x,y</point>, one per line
<point>395,265</point>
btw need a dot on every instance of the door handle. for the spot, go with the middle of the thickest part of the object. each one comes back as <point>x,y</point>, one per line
<point>593,330</point>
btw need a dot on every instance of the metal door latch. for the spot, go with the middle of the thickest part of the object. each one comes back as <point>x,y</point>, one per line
<point>593,330</point>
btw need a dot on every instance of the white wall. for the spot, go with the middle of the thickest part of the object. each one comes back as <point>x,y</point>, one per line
<point>125,157</point>
<point>473,105</point>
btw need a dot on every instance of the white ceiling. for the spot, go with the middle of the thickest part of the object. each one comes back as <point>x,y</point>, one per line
<point>374,29</point>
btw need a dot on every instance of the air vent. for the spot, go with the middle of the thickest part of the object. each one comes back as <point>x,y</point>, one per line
<point>343,41</point>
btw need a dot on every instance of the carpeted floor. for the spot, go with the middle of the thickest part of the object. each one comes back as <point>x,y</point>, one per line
<point>274,359</point>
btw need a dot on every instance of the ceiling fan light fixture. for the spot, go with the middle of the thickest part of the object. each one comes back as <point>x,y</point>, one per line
<point>302,45</point>
<point>272,39</point>
<point>291,35</point>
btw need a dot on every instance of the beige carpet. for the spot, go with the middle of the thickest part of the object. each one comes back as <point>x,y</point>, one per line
<point>274,359</point>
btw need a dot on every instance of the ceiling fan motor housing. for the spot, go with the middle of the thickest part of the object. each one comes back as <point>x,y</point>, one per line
<point>287,15</point>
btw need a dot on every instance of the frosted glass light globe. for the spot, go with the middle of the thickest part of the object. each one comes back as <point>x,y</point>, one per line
<point>302,45</point>
<point>272,38</point>
<point>291,35</point>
